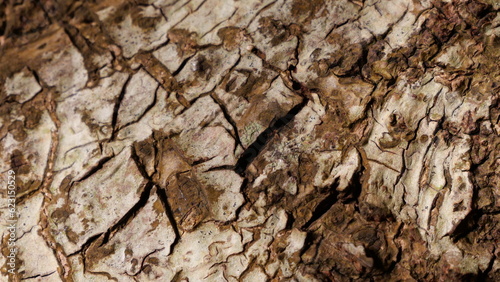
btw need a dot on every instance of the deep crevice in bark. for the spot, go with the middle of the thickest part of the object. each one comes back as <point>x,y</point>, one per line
<point>324,206</point>
<point>258,145</point>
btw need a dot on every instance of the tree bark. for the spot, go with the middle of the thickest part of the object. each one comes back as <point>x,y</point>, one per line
<point>261,140</point>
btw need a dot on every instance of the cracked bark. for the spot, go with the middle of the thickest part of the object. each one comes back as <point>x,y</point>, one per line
<point>252,140</point>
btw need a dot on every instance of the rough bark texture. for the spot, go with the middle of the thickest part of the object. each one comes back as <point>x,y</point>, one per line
<point>224,140</point>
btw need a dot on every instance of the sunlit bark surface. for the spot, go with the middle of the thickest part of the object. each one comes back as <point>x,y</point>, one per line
<point>259,140</point>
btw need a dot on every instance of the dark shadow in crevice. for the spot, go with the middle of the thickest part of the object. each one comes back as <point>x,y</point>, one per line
<point>324,206</point>
<point>143,199</point>
<point>162,195</point>
<point>95,168</point>
<point>258,145</point>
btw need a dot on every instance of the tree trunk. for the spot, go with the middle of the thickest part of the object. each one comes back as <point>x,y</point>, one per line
<point>260,140</point>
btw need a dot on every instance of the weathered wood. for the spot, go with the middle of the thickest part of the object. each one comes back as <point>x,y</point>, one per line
<point>209,140</point>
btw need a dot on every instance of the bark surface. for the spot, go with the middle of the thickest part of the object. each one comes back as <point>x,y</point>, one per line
<point>259,140</point>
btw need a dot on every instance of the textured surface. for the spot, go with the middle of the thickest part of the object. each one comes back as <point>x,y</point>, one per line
<point>221,140</point>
